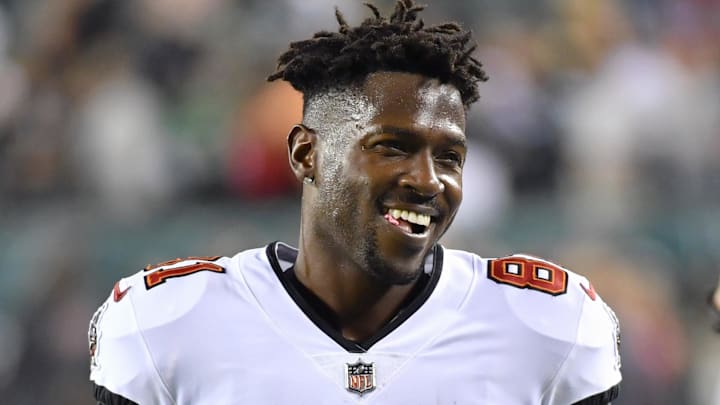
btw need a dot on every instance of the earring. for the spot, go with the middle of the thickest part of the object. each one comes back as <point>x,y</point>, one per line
<point>308,180</point>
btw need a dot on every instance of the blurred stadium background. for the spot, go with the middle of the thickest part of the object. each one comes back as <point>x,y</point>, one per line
<point>137,131</point>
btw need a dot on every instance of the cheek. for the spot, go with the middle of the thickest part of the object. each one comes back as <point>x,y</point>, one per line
<point>453,189</point>
<point>343,189</point>
<point>364,174</point>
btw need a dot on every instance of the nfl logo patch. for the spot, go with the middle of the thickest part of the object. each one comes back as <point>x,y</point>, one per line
<point>360,377</point>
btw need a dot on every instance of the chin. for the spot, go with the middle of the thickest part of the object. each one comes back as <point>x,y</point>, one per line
<point>395,273</point>
<point>391,263</point>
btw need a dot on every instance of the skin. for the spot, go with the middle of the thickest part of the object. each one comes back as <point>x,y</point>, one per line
<point>403,149</point>
<point>716,296</point>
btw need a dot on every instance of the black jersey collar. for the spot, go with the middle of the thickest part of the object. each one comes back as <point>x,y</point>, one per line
<point>282,259</point>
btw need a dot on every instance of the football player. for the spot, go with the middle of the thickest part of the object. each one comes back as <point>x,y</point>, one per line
<point>368,308</point>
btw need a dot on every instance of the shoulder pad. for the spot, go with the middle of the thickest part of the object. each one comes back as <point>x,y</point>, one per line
<point>162,293</point>
<point>562,305</point>
<point>547,297</point>
<point>121,361</point>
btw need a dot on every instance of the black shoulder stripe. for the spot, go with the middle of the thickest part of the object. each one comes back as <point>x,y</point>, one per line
<point>104,396</point>
<point>602,398</point>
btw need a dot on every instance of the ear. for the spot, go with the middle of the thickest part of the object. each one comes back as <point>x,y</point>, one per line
<point>301,151</point>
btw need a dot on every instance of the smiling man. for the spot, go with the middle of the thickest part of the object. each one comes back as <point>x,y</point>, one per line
<point>368,308</point>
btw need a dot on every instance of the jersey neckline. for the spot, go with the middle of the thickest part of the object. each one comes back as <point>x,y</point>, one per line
<point>282,260</point>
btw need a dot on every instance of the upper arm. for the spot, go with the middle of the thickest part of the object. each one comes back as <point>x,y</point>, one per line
<point>104,396</point>
<point>590,374</point>
<point>120,361</point>
<point>602,398</point>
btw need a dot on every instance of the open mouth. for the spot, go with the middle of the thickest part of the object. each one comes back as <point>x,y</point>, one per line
<point>408,221</point>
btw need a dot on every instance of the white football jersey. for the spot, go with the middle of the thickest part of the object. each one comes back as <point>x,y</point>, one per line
<point>510,331</point>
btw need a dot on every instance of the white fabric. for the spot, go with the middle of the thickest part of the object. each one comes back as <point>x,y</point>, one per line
<point>239,338</point>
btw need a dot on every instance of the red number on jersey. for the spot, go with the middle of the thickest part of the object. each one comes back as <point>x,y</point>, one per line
<point>158,277</point>
<point>178,260</point>
<point>524,272</point>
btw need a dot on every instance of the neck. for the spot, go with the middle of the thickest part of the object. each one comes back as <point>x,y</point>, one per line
<point>361,303</point>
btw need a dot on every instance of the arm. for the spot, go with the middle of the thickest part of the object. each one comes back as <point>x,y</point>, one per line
<point>104,396</point>
<point>122,369</point>
<point>591,372</point>
<point>603,398</point>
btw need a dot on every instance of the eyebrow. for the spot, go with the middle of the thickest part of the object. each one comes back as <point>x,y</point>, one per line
<point>390,129</point>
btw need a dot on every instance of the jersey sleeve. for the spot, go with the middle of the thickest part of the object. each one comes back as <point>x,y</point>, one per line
<point>121,367</point>
<point>591,374</point>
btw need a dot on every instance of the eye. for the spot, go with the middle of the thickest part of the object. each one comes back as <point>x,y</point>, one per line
<point>451,159</point>
<point>389,147</point>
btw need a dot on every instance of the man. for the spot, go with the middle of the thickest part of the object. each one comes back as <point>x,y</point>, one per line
<point>368,308</point>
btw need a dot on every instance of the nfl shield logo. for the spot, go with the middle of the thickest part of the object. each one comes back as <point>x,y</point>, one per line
<point>360,377</point>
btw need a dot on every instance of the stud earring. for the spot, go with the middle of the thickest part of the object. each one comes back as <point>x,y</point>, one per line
<point>308,180</point>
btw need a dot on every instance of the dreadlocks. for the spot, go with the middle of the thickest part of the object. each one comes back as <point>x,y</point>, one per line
<point>402,43</point>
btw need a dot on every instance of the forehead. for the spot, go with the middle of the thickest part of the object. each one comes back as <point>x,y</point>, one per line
<point>414,101</point>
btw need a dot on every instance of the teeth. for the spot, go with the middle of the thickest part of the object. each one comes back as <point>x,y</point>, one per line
<point>412,217</point>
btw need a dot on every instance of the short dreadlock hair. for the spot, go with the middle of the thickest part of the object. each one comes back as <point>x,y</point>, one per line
<point>402,43</point>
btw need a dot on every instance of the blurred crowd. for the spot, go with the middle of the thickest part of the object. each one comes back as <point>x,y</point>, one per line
<point>137,131</point>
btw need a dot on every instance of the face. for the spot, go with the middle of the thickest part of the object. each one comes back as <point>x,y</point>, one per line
<point>388,178</point>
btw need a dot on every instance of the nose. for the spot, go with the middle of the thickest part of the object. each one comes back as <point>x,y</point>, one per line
<point>421,176</point>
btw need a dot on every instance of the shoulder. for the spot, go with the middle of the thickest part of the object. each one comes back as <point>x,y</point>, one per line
<point>152,305</point>
<point>160,293</point>
<point>163,292</point>
<point>524,276</point>
<point>534,285</point>
<point>541,295</point>
<point>533,302</point>
<point>531,279</point>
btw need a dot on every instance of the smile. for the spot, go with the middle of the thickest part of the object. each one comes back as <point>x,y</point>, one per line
<point>409,221</point>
